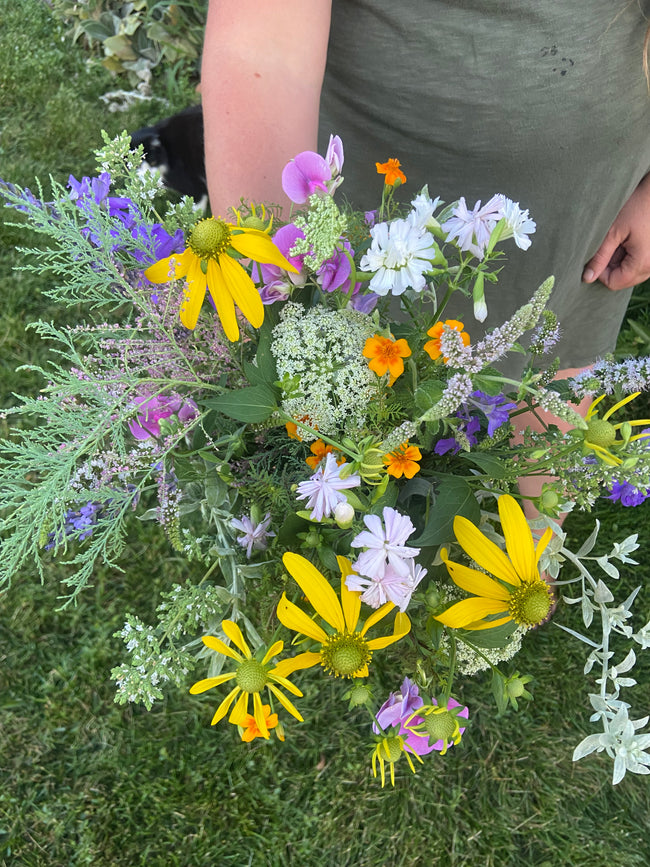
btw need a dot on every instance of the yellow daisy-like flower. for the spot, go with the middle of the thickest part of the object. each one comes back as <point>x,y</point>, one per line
<point>251,676</point>
<point>600,435</point>
<point>387,752</point>
<point>344,650</point>
<point>207,264</point>
<point>520,594</point>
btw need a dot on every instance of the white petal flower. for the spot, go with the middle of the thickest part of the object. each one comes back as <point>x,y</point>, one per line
<point>401,252</point>
<point>323,490</point>
<point>385,545</point>
<point>473,228</point>
<point>389,587</point>
<point>518,224</point>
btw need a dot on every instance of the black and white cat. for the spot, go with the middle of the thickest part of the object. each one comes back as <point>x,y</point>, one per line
<point>174,147</point>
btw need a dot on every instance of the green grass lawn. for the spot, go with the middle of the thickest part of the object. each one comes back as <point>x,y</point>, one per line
<point>87,782</point>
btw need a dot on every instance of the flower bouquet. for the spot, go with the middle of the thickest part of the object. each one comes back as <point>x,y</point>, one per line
<point>288,401</point>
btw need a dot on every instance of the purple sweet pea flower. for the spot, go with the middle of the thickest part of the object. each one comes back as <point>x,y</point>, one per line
<point>334,156</point>
<point>152,409</point>
<point>276,290</point>
<point>364,303</point>
<point>397,709</point>
<point>284,239</point>
<point>334,273</point>
<point>304,175</point>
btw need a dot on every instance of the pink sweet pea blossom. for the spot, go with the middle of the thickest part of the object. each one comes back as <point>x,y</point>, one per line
<point>304,175</point>
<point>152,409</point>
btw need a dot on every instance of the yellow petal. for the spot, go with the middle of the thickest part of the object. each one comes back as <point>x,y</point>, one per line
<point>620,404</point>
<point>203,685</point>
<point>222,301</point>
<point>483,550</point>
<point>295,618</point>
<point>475,582</point>
<point>240,709</point>
<point>400,627</point>
<point>362,672</point>
<point>243,290</point>
<point>258,713</point>
<point>273,650</point>
<point>284,701</point>
<point>488,624</point>
<point>316,588</point>
<point>592,408</point>
<point>255,244</point>
<point>469,611</point>
<point>224,707</point>
<point>296,663</point>
<point>275,677</point>
<point>376,616</point>
<point>350,599</point>
<point>234,633</point>
<point>194,294</point>
<point>215,643</point>
<point>519,539</point>
<point>171,268</point>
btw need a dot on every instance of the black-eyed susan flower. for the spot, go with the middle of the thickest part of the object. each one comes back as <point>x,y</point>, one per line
<point>344,650</point>
<point>206,263</point>
<point>600,437</point>
<point>251,676</point>
<point>519,594</point>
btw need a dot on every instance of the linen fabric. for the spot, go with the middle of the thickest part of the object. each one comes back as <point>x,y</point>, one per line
<point>545,102</point>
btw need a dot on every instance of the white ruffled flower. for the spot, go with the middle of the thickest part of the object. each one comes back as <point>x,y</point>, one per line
<point>518,224</point>
<point>323,490</point>
<point>401,252</point>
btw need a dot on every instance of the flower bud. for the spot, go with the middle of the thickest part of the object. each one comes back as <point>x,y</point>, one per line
<point>344,515</point>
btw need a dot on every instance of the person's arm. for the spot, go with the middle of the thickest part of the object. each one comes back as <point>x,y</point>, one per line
<point>261,77</point>
<point>623,258</point>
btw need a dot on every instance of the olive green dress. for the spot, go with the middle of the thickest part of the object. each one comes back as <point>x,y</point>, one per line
<point>542,100</point>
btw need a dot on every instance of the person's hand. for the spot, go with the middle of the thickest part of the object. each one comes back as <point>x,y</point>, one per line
<point>623,259</point>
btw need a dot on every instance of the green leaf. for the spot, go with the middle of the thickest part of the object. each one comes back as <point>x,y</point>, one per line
<point>490,639</point>
<point>454,497</point>
<point>492,466</point>
<point>253,404</point>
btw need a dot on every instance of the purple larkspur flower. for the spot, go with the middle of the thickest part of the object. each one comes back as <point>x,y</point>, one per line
<point>389,587</point>
<point>397,709</point>
<point>465,436</point>
<point>153,408</point>
<point>384,543</point>
<point>627,494</point>
<point>254,535</point>
<point>495,407</point>
<point>323,490</point>
<point>304,175</point>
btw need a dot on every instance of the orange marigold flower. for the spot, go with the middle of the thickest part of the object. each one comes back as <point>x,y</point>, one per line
<point>432,347</point>
<point>318,451</point>
<point>251,731</point>
<point>292,431</point>
<point>403,461</point>
<point>386,355</point>
<point>393,172</point>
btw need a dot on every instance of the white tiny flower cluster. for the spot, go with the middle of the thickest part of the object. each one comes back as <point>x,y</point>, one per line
<point>322,350</point>
<point>323,228</point>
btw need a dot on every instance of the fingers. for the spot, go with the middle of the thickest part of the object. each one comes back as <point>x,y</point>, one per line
<point>607,256</point>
